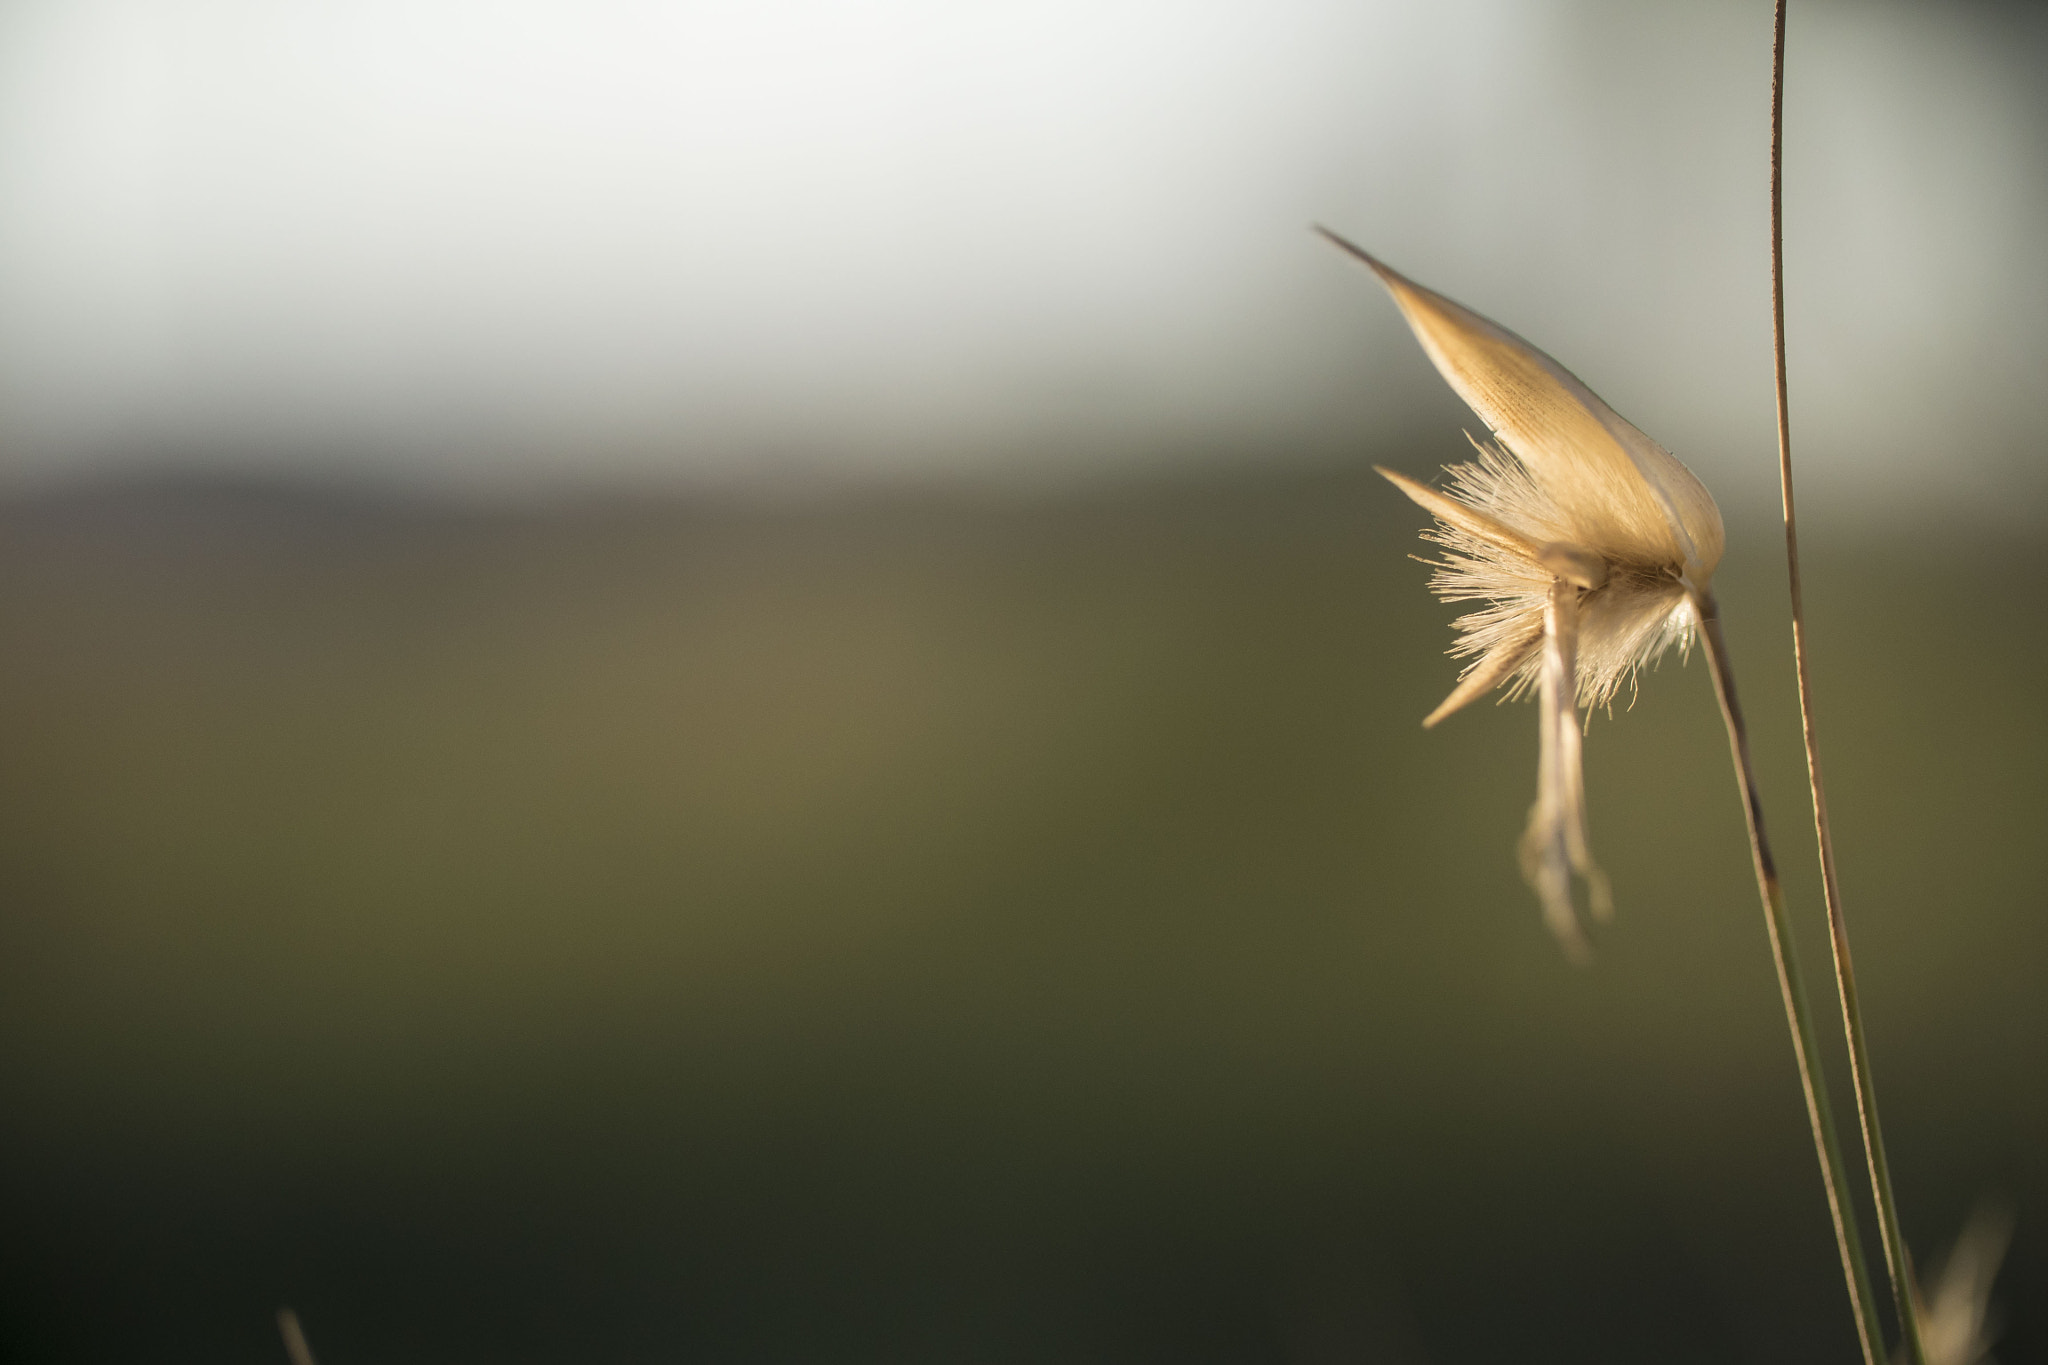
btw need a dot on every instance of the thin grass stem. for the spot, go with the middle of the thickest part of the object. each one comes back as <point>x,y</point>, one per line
<point>295,1347</point>
<point>1792,989</point>
<point>1897,1260</point>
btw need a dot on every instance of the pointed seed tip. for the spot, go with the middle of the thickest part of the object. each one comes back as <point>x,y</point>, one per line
<point>1460,697</point>
<point>1345,244</point>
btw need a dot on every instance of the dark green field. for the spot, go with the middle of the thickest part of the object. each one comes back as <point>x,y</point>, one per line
<point>938,927</point>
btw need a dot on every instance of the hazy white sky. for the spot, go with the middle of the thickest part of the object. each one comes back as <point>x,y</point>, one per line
<point>509,242</point>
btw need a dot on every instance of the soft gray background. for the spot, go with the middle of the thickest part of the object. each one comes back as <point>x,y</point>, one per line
<point>516,244</point>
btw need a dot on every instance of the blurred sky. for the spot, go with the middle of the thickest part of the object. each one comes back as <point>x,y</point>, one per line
<point>534,244</point>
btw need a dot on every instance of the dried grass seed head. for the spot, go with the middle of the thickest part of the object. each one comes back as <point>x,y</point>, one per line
<point>1568,488</point>
<point>1582,539</point>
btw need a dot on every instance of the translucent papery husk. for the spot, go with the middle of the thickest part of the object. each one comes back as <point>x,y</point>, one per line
<point>1554,846</point>
<point>1609,485</point>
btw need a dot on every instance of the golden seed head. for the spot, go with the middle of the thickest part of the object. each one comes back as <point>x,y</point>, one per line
<point>1582,540</point>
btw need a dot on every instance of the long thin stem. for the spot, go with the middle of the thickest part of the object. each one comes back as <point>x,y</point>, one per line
<point>1792,989</point>
<point>1896,1258</point>
<point>295,1347</point>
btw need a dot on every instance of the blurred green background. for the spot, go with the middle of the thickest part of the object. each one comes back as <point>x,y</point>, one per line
<point>929,925</point>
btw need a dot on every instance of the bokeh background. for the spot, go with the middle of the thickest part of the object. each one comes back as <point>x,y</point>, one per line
<point>724,682</point>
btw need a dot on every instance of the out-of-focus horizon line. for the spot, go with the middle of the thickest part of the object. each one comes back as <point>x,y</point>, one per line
<point>1329,480</point>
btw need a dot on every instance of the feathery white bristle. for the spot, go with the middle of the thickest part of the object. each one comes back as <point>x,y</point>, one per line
<point>1629,621</point>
